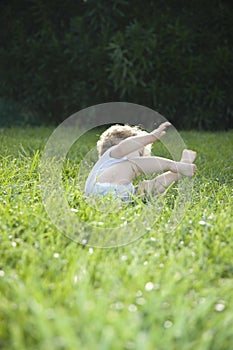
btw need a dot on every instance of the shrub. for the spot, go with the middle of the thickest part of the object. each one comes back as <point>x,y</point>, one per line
<point>57,58</point>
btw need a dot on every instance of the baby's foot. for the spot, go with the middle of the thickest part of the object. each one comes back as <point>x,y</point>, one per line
<point>188,156</point>
<point>186,169</point>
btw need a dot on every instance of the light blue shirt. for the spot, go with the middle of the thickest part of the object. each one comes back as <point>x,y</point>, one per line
<point>105,162</point>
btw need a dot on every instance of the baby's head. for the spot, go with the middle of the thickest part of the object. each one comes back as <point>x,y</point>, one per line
<point>115,134</point>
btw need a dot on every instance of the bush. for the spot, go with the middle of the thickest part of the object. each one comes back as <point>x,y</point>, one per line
<point>57,58</point>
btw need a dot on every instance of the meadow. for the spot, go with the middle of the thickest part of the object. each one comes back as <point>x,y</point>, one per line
<point>168,289</point>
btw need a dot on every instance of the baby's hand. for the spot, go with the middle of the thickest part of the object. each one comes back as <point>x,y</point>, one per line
<point>160,131</point>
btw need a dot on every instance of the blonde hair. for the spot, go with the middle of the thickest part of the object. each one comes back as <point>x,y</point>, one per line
<point>115,134</point>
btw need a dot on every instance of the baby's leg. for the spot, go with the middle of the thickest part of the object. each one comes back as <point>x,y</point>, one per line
<point>150,165</point>
<point>163,181</point>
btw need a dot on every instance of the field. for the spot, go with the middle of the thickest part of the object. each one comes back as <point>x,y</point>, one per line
<point>169,289</point>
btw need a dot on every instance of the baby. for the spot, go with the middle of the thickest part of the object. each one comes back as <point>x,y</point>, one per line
<point>125,154</point>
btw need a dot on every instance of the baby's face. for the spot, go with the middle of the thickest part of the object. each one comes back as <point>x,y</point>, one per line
<point>138,153</point>
<point>147,153</point>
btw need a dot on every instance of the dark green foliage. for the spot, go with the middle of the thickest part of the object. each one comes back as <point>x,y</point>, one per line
<point>175,57</point>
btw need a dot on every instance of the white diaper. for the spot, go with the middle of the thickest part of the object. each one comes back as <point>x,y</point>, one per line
<point>123,192</point>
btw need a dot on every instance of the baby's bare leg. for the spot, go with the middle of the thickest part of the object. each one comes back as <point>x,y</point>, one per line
<point>150,165</point>
<point>163,181</point>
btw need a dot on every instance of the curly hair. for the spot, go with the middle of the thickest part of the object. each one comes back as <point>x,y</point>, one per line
<point>115,134</point>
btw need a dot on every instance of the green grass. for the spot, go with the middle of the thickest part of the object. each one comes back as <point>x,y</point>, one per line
<point>166,290</point>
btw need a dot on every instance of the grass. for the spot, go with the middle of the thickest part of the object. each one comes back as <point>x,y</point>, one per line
<point>166,290</point>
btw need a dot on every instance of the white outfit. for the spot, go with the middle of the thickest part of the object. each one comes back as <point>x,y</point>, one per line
<point>92,186</point>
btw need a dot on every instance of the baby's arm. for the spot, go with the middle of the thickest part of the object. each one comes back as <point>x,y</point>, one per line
<point>134,143</point>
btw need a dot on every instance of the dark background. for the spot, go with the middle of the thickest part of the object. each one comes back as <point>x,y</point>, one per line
<point>176,57</point>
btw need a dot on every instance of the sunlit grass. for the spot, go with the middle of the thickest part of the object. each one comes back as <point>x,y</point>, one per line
<point>166,290</point>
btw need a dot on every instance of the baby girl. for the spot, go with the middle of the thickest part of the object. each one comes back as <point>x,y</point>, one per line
<point>125,154</point>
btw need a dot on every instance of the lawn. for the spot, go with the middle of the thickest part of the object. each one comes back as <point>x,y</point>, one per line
<point>168,289</point>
